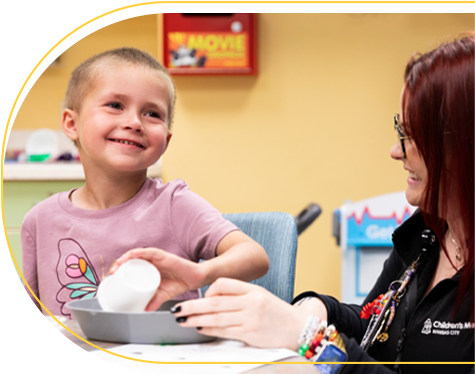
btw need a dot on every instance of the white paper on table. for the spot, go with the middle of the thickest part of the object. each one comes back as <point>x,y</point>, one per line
<point>227,354</point>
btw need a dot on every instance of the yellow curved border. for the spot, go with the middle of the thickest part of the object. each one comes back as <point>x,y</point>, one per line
<point>63,22</point>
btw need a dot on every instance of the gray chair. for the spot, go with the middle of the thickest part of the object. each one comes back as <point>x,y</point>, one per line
<point>277,233</point>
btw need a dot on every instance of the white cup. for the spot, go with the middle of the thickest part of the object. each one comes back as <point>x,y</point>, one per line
<point>130,288</point>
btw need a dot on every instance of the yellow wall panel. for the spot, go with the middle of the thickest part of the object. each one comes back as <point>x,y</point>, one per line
<point>314,125</point>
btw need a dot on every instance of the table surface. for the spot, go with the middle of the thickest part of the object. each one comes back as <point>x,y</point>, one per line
<point>264,369</point>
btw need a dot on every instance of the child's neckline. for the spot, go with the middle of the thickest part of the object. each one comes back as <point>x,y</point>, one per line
<point>122,209</point>
<point>100,198</point>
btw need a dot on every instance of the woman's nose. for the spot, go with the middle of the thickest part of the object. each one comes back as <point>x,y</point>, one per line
<point>396,152</point>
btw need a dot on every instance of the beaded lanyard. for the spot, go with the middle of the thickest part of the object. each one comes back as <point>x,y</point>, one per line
<point>383,308</point>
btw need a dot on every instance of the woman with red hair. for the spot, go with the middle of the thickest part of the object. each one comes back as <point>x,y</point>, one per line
<point>421,308</point>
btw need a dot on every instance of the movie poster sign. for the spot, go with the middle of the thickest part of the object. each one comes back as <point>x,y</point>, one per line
<point>197,44</point>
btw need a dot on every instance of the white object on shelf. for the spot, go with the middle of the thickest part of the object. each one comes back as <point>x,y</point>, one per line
<point>43,142</point>
<point>17,140</point>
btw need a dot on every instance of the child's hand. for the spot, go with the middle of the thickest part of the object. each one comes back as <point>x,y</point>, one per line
<point>178,275</point>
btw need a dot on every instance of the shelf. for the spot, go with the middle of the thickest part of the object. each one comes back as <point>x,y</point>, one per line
<point>37,171</point>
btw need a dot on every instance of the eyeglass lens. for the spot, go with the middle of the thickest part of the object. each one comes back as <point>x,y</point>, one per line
<point>400,134</point>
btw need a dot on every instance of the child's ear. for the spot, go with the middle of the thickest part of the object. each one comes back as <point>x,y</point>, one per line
<point>169,137</point>
<point>68,122</point>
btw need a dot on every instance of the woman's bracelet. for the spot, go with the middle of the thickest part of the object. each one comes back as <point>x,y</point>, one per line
<point>323,345</point>
<point>314,337</point>
<point>309,330</point>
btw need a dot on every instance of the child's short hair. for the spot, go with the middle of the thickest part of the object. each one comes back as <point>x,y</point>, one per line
<point>82,77</point>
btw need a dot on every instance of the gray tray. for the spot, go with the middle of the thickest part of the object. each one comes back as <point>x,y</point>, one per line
<point>157,327</point>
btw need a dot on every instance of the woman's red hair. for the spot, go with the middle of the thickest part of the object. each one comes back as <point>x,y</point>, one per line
<point>438,104</point>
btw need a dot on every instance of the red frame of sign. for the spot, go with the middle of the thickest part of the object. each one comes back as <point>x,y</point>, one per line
<point>210,44</point>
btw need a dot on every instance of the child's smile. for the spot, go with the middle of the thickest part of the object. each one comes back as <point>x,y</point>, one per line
<point>127,142</point>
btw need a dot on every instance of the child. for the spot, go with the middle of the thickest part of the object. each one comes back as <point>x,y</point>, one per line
<point>119,108</point>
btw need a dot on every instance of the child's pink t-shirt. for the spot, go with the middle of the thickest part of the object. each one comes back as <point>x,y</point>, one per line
<point>67,251</point>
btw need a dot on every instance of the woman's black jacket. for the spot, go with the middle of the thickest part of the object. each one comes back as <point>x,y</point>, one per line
<point>425,328</point>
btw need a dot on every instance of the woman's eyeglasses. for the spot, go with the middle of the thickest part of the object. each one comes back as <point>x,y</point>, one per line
<point>400,134</point>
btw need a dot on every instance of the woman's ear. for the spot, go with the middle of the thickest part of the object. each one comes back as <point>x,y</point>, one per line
<point>68,122</point>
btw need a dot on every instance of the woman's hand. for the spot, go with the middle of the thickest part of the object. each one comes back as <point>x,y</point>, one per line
<point>178,275</point>
<point>237,310</point>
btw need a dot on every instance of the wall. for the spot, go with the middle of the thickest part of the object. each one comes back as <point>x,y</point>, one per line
<point>314,125</point>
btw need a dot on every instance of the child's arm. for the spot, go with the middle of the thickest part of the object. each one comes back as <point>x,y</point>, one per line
<point>238,257</point>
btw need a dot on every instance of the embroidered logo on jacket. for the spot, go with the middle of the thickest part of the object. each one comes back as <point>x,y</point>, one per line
<point>445,328</point>
<point>427,327</point>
